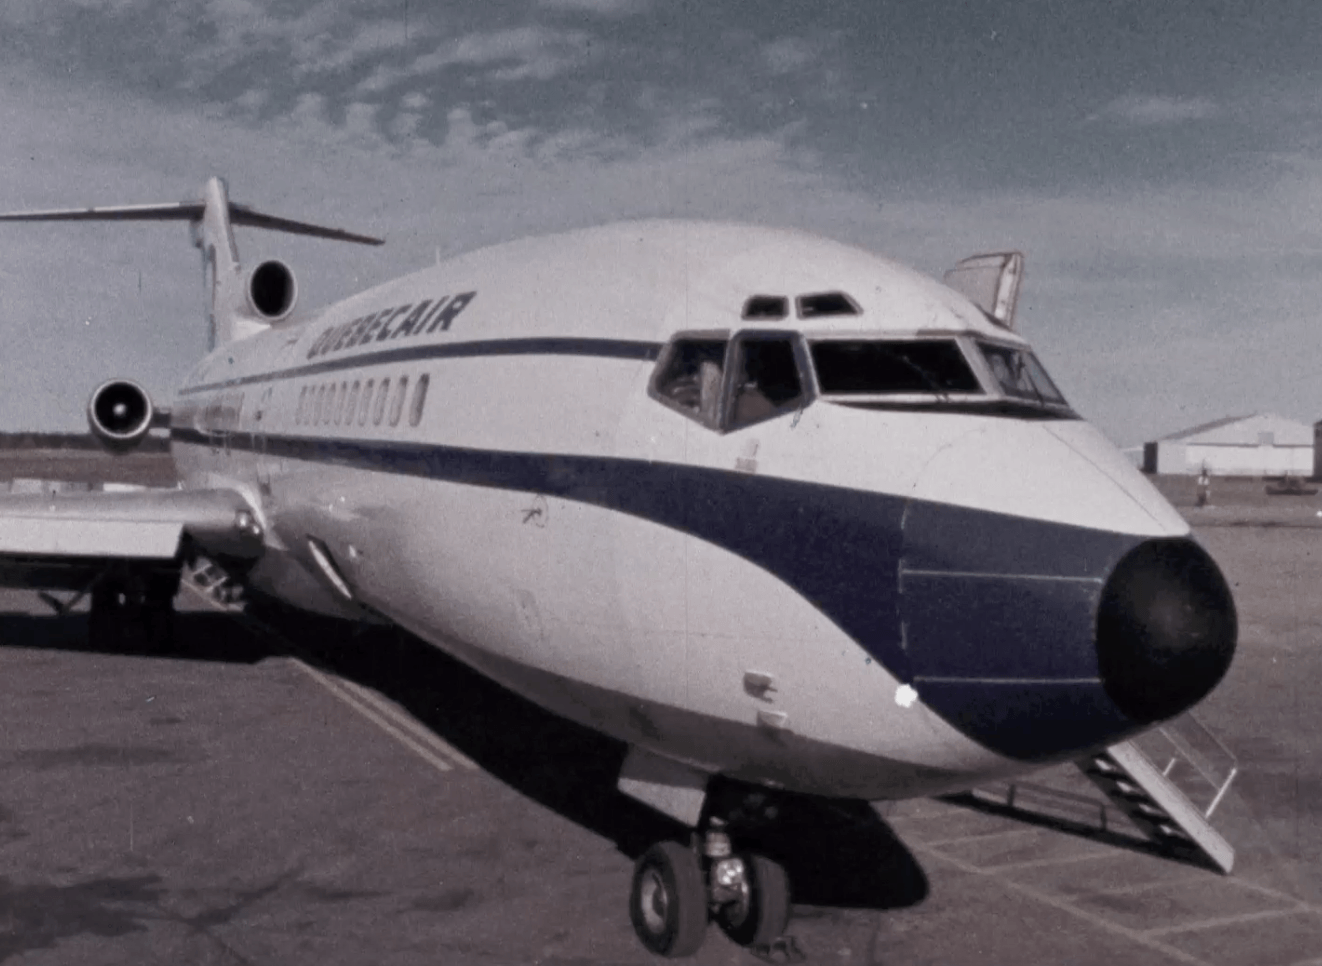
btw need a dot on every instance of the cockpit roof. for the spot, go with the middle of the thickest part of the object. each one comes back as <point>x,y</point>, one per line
<point>649,279</point>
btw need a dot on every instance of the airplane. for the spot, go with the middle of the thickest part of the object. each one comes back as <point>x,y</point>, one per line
<point>757,504</point>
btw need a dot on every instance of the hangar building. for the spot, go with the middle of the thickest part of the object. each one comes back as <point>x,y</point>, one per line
<point>1260,445</point>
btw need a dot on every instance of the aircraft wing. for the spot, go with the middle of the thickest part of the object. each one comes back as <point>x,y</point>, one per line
<point>55,541</point>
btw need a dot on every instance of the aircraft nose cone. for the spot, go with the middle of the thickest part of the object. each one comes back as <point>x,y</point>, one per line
<point>1166,629</point>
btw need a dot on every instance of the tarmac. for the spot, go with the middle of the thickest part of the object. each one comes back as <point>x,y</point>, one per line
<point>293,791</point>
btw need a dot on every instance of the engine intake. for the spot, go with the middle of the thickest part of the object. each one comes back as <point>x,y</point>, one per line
<point>272,290</point>
<point>119,414</point>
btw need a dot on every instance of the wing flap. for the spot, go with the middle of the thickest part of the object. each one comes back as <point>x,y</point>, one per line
<point>38,530</point>
<point>119,539</point>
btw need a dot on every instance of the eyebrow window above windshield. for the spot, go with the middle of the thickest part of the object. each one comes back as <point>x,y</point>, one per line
<point>1020,374</point>
<point>892,366</point>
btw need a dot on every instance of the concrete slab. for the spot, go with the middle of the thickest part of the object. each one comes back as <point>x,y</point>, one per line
<point>1271,941</point>
<point>1180,905</point>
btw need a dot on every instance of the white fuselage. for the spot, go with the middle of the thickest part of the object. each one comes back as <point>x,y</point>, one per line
<point>543,517</point>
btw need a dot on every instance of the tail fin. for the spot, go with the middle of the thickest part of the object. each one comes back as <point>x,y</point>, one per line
<point>211,219</point>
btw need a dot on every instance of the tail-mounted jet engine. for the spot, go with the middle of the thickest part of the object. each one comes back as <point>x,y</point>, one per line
<point>120,413</point>
<point>272,291</point>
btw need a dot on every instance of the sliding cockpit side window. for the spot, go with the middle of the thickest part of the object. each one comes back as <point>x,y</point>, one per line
<point>729,384</point>
<point>765,380</point>
<point>1020,375</point>
<point>690,376</point>
<point>878,367</point>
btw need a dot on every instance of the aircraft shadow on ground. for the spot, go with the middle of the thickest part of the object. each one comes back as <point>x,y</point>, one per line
<point>838,853</point>
<point>1083,830</point>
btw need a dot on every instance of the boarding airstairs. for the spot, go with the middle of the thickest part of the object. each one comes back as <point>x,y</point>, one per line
<point>1162,801</point>
<point>1168,783</point>
<point>215,583</point>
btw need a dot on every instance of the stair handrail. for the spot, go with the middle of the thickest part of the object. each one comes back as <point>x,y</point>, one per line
<point>1199,762</point>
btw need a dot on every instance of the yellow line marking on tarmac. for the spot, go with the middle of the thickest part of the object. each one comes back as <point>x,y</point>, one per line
<point>981,836</point>
<point>338,690</point>
<point>1201,876</point>
<point>405,721</point>
<point>1043,863</point>
<point>1223,921</point>
<point>1133,935</point>
<point>390,719</point>
<point>1302,904</point>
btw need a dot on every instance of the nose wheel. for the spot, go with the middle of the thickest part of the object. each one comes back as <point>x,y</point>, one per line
<point>676,891</point>
<point>668,902</point>
<point>761,911</point>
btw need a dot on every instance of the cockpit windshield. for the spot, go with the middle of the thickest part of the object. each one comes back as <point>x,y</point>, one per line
<point>1020,374</point>
<point>892,366</point>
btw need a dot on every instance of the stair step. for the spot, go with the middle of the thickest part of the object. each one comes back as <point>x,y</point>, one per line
<point>1130,779</point>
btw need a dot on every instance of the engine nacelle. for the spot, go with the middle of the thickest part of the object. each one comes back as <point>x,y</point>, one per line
<point>120,414</point>
<point>272,291</point>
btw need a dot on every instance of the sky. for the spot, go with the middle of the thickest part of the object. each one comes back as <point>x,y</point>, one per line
<point>1159,164</point>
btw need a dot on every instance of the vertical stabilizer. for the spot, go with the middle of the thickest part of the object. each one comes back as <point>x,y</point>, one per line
<point>230,315</point>
<point>221,271</point>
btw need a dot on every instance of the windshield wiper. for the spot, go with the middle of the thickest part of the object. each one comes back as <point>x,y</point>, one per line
<point>928,379</point>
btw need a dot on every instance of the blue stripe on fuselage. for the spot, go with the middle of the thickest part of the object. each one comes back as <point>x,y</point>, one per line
<point>978,609</point>
<point>556,346</point>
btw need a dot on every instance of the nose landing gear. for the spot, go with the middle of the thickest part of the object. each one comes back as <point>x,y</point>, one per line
<point>668,902</point>
<point>678,889</point>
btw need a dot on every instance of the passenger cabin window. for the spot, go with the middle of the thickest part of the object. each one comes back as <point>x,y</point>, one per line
<point>419,399</point>
<point>365,404</point>
<point>1020,374</point>
<point>397,404</point>
<point>379,408</point>
<point>892,367</point>
<point>351,407</point>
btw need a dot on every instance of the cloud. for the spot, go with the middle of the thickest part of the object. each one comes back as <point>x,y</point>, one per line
<point>789,54</point>
<point>1151,110</point>
<point>376,38</point>
<point>1153,309</point>
<point>525,53</point>
<point>609,8</point>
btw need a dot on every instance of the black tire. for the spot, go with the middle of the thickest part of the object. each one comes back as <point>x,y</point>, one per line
<point>761,917</point>
<point>668,901</point>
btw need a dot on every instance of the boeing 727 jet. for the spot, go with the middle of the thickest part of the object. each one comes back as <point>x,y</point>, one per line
<point>757,504</point>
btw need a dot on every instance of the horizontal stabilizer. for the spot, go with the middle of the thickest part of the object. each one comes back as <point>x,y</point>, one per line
<point>190,211</point>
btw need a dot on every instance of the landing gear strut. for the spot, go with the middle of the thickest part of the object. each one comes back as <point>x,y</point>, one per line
<point>677,889</point>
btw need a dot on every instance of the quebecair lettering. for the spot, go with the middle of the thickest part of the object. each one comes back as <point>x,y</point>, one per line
<point>395,322</point>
